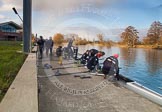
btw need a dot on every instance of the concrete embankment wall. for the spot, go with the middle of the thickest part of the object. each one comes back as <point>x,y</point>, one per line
<point>22,96</point>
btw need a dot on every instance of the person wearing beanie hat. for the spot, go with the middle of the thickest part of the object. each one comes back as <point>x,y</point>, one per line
<point>110,66</point>
<point>100,54</point>
<point>116,55</point>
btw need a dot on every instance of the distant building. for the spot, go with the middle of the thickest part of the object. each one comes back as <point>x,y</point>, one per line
<point>10,31</point>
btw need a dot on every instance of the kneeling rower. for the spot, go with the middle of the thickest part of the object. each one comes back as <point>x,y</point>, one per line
<point>110,66</point>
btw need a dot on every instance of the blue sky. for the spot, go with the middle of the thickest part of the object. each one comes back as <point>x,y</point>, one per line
<point>86,17</point>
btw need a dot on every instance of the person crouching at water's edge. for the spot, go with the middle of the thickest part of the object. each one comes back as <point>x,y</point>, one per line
<point>84,57</point>
<point>110,66</point>
<point>93,62</point>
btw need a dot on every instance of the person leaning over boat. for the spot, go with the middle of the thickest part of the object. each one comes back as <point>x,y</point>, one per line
<point>87,55</point>
<point>93,61</point>
<point>92,52</point>
<point>84,57</point>
<point>110,66</point>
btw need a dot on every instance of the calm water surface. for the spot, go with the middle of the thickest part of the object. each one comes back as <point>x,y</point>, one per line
<point>142,65</point>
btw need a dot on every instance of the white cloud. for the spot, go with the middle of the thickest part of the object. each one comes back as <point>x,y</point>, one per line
<point>2,16</point>
<point>46,11</point>
<point>51,5</point>
<point>61,4</point>
<point>7,5</point>
<point>41,5</point>
<point>6,19</point>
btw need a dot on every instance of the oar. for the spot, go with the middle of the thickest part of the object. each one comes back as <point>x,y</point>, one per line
<point>60,74</point>
<point>66,67</point>
<point>80,54</point>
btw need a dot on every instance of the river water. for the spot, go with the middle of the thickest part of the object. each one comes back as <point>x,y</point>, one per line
<point>141,65</point>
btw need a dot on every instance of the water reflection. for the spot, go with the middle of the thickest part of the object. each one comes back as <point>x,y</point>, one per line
<point>128,55</point>
<point>100,48</point>
<point>153,59</point>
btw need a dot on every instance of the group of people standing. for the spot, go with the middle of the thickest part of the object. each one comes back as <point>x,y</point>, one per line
<point>45,44</point>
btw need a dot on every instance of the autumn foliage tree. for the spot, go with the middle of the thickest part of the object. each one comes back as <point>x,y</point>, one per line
<point>154,34</point>
<point>129,36</point>
<point>58,38</point>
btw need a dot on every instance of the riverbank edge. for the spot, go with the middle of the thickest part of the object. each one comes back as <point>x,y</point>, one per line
<point>22,96</point>
<point>159,47</point>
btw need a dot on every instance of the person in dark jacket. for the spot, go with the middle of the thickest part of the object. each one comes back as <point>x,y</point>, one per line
<point>40,43</point>
<point>93,61</point>
<point>110,66</point>
<point>92,52</point>
<point>84,57</point>
<point>52,44</point>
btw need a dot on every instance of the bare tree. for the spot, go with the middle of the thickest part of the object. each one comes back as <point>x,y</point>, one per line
<point>100,37</point>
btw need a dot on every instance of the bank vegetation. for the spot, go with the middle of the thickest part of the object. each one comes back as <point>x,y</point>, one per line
<point>10,62</point>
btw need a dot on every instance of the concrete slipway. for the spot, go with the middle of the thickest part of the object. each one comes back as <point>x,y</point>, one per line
<point>67,93</point>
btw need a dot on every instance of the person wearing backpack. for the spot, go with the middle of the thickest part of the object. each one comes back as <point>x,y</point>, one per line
<point>110,66</point>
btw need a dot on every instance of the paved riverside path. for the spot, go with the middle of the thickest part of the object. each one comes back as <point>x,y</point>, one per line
<point>66,93</point>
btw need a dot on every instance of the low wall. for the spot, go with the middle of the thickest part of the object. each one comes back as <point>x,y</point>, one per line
<point>22,96</point>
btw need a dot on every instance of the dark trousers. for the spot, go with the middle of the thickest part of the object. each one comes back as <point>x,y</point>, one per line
<point>41,51</point>
<point>51,50</point>
<point>117,74</point>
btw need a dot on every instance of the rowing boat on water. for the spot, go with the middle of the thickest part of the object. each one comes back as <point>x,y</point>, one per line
<point>140,89</point>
